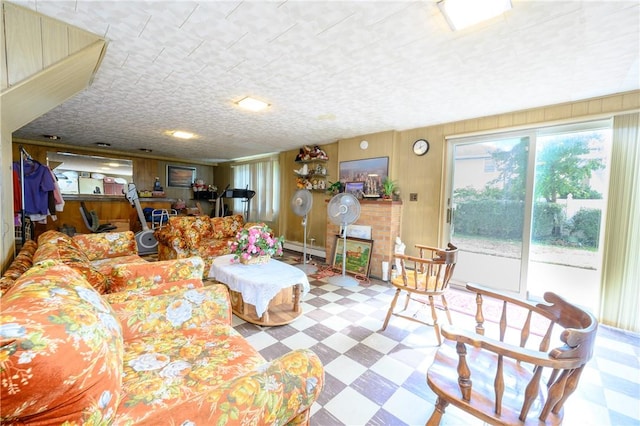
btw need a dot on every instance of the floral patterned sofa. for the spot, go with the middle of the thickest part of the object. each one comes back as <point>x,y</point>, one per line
<point>159,351</point>
<point>204,236</point>
<point>93,255</point>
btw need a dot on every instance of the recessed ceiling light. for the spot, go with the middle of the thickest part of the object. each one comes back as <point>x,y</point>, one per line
<point>252,104</point>
<point>103,144</point>
<point>182,135</point>
<point>52,137</point>
<point>464,13</point>
<point>145,149</point>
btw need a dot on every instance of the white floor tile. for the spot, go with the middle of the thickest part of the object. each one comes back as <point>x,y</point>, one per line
<point>345,369</point>
<point>299,341</point>
<point>392,370</point>
<point>380,343</point>
<point>351,408</point>
<point>261,340</point>
<point>340,342</point>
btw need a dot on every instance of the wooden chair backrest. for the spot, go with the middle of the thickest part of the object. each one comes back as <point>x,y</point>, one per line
<point>431,271</point>
<point>516,348</point>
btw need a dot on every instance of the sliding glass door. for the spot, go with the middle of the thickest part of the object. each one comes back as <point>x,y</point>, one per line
<point>488,210</point>
<point>526,210</point>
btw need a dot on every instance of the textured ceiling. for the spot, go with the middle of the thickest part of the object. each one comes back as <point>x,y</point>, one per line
<point>329,69</point>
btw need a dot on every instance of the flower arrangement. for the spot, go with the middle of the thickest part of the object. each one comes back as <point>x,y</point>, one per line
<point>256,241</point>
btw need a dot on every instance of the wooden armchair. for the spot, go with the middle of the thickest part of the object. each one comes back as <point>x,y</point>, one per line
<point>513,383</point>
<point>422,278</point>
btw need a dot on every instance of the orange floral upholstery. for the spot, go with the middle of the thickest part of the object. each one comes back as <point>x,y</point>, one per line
<point>69,355</point>
<point>106,245</point>
<point>81,252</point>
<point>59,247</point>
<point>22,262</point>
<point>131,276</point>
<point>183,309</point>
<point>204,236</point>
<point>61,353</point>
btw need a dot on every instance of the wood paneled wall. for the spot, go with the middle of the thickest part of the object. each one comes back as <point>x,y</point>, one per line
<point>425,175</point>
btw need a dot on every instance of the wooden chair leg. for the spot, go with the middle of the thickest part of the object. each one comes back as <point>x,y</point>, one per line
<point>446,309</point>
<point>391,308</point>
<point>436,416</point>
<point>407,300</point>
<point>434,316</point>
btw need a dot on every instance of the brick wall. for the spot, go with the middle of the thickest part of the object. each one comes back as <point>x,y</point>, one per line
<point>385,219</point>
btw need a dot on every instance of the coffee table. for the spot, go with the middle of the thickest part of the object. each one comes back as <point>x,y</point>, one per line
<point>263,294</point>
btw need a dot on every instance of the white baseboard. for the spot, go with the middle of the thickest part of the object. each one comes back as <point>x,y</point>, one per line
<point>299,247</point>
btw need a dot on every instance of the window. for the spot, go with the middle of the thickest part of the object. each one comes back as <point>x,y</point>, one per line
<point>263,177</point>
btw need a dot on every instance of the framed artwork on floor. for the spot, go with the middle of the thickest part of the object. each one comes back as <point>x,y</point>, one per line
<point>358,255</point>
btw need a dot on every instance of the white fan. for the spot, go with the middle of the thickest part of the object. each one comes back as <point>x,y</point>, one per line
<point>343,210</point>
<point>301,203</point>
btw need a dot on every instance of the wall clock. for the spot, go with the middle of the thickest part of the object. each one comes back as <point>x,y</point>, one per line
<point>421,147</point>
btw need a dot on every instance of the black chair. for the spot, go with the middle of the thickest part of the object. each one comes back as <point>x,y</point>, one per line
<point>90,218</point>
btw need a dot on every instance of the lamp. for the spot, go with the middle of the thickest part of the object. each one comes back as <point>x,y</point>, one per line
<point>464,13</point>
<point>252,104</point>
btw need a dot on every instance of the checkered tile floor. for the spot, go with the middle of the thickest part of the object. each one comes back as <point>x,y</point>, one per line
<point>378,378</point>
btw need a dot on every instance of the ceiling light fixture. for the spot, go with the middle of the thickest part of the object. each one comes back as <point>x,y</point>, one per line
<point>464,13</point>
<point>182,135</point>
<point>252,104</point>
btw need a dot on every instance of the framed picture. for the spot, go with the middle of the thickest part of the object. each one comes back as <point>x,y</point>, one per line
<point>180,176</point>
<point>355,188</point>
<point>358,255</point>
<point>370,171</point>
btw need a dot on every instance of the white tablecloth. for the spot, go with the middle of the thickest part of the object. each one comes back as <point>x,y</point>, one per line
<point>257,283</point>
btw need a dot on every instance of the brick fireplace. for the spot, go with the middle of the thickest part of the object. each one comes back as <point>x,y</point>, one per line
<point>384,218</point>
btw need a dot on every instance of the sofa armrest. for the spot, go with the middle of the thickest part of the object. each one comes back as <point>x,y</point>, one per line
<point>280,392</point>
<point>277,393</point>
<point>171,237</point>
<point>181,309</point>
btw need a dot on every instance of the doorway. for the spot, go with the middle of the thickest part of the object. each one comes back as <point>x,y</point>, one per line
<point>526,210</point>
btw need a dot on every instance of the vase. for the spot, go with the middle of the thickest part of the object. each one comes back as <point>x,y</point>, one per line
<point>255,260</point>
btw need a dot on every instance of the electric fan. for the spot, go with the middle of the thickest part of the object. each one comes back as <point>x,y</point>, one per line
<point>343,210</point>
<point>301,203</point>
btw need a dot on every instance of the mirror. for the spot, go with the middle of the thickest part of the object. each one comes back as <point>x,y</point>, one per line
<point>90,174</point>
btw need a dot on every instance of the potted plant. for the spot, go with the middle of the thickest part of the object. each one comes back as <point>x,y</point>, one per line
<point>334,188</point>
<point>389,186</point>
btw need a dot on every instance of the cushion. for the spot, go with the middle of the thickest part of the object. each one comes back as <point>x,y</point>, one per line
<point>227,227</point>
<point>149,274</point>
<point>61,249</point>
<point>168,370</point>
<point>22,262</point>
<point>61,348</point>
<point>107,244</point>
<point>183,309</point>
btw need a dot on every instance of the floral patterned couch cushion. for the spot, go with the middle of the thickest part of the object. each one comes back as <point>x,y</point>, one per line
<point>22,262</point>
<point>207,237</point>
<point>59,247</point>
<point>107,245</point>
<point>214,377</point>
<point>132,276</point>
<point>226,227</point>
<point>183,309</point>
<point>61,350</point>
